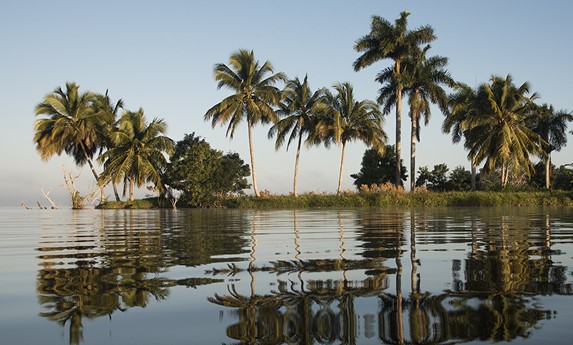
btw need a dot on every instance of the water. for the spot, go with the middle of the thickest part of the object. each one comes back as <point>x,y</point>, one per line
<point>354,276</point>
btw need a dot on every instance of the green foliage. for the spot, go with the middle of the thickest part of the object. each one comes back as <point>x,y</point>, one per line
<point>460,179</point>
<point>401,199</point>
<point>563,178</point>
<point>378,168</point>
<point>436,179</point>
<point>204,175</point>
<point>139,204</point>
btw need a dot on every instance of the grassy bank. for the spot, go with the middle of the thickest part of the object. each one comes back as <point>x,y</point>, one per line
<point>378,199</point>
<point>403,199</point>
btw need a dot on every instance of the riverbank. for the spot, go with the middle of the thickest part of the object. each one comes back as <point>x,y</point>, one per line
<point>376,199</point>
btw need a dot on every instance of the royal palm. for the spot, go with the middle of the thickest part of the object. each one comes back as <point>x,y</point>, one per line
<point>138,153</point>
<point>395,42</point>
<point>70,124</point>
<point>344,119</point>
<point>298,110</point>
<point>253,98</point>
<point>422,80</point>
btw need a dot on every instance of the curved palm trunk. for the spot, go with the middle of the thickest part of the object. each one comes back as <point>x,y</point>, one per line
<point>413,139</point>
<point>115,192</point>
<point>253,171</point>
<point>398,127</point>
<point>92,168</point>
<point>339,189</point>
<point>296,164</point>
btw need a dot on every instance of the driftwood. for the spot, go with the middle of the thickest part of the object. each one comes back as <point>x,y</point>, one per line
<point>78,201</point>
<point>47,196</point>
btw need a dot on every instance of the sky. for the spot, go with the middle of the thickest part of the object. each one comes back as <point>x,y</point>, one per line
<point>159,55</point>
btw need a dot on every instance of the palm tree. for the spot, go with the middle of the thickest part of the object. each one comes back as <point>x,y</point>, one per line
<point>138,154</point>
<point>343,119</point>
<point>500,134</point>
<point>463,103</point>
<point>253,100</point>
<point>395,42</point>
<point>70,124</point>
<point>551,126</point>
<point>298,108</point>
<point>103,103</point>
<point>422,82</point>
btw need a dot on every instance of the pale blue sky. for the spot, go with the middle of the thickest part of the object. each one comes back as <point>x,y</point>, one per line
<point>159,55</point>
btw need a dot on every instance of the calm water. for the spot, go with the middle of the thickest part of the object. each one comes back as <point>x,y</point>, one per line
<point>358,276</point>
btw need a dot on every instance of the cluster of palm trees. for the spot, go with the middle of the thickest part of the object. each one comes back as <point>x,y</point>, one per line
<point>499,121</point>
<point>88,125</point>
<point>318,117</point>
<point>501,125</point>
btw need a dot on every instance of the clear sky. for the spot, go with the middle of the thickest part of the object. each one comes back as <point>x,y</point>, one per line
<point>159,55</point>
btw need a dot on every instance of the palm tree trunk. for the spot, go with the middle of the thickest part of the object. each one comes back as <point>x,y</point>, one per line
<point>413,154</point>
<point>548,172</point>
<point>398,127</point>
<point>339,190</point>
<point>131,197</point>
<point>473,169</point>
<point>296,164</point>
<point>252,152</point>
<point>92,168</point>
<point>115,192</point>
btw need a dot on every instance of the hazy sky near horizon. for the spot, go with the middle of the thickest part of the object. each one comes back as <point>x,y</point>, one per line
<point>159,55</point>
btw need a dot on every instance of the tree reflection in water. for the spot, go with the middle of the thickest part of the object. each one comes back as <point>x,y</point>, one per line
<point>119,269</point>
<point>310,295</point>
<point>505,269</point>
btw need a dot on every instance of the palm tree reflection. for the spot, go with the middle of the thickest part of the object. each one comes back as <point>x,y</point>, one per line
<point>493,303</point>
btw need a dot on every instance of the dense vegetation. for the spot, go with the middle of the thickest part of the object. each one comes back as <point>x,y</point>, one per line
<point>500,124</point>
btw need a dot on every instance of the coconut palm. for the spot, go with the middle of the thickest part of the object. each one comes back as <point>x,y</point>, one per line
<point>422,82</point>
<point>253,100</point>
<point>551,126</point>
<point>138,154</point>
<point>299,109</point>
<point>462,103</point>
<point>344,119</point>
<point>500,135</point>
<point>103,103</point>
<point>70,124</point>
<point>395,42</point>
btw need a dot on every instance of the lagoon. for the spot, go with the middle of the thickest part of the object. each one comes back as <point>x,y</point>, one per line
<point>313,276</point>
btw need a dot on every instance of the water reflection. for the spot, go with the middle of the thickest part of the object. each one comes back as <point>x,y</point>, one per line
<point>319,277</point>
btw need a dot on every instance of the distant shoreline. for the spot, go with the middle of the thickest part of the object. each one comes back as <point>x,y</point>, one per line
<point>378,199</point>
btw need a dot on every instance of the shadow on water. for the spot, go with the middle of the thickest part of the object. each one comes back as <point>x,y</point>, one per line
<point>318,277</point>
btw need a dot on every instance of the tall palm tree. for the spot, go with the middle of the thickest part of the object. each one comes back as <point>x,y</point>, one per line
<point>138,154</point>
<point>69,124</point>
<point>462,103</point>
<point>344,119</point>
<point>253,100</point>
<point>551,126</point>
<point>422,81</point>
<point>501,135</point>
<point>103,103</point>
<point>395,42</point>
<point>299,109</point>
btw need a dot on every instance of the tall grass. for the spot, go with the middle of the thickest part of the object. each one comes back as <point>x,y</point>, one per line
<point>403,199</point>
